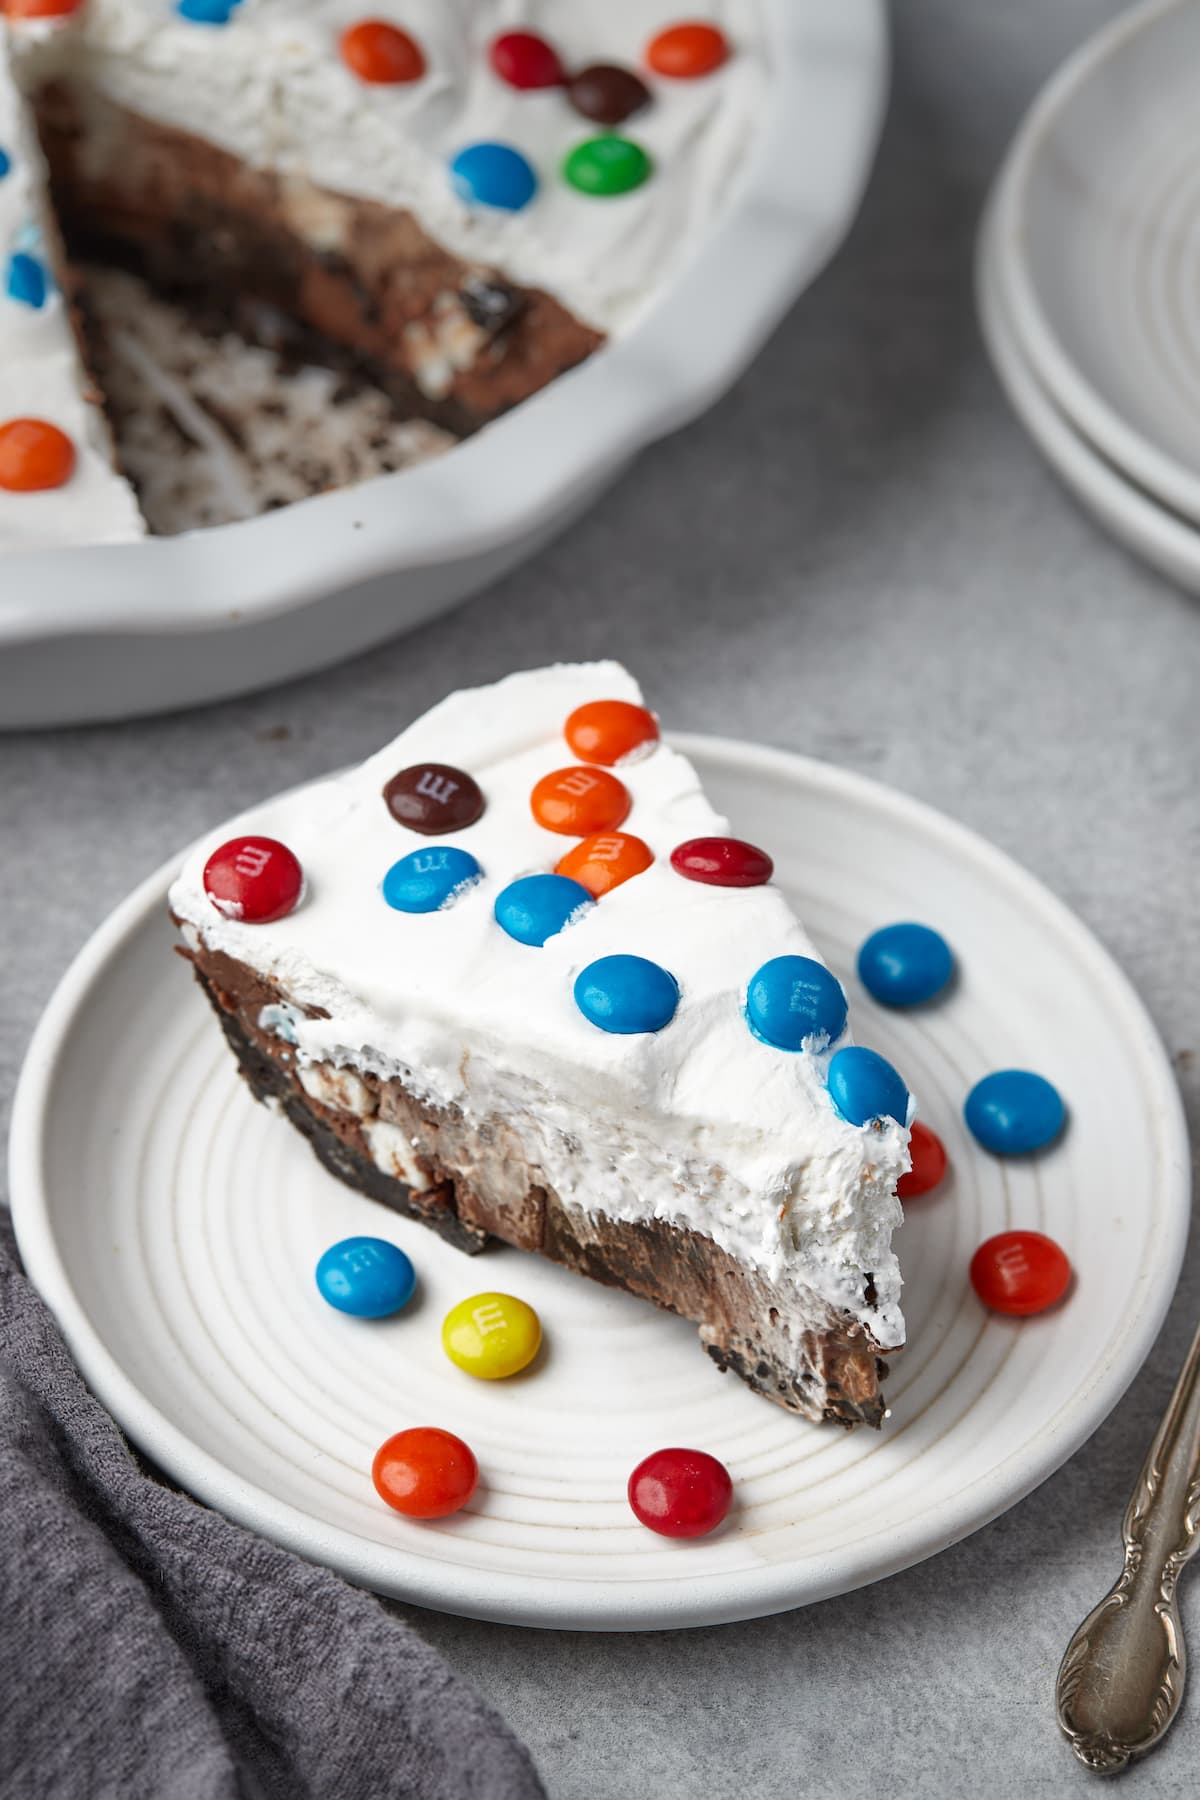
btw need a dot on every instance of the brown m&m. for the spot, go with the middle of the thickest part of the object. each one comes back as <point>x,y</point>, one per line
<point>434,798</point>
<point>607,93</point>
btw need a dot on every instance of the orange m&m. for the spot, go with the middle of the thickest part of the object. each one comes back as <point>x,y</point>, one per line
<point>687,50</point>
<point>580,801</point>
<point>39,9</point>
<point>604,860</point>
<point>607,731</point>
<point>34,455</point>
<point>381,54</point>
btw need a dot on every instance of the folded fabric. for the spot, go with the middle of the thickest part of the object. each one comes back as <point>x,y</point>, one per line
<point>150,1648</point>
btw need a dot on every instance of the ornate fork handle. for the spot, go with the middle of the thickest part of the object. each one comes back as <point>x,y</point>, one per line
<point>1121,1680</point>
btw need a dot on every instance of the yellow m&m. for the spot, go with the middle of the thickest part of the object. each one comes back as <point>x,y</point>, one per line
<point>491,1335</point>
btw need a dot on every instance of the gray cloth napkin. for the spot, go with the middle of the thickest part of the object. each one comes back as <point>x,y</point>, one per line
<point>149,1648</point>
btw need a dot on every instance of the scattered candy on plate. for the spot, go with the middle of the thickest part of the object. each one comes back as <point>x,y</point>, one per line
<point>426,880</point>
<point>1020,1272</point>
<point>425,1473</point>
<point>491,1336</point>
<point>1014,1111</point>
<point>626,994</point>
<point>903,965</point>
<point>367,1277</point>
<point>680,1493</point>
<point>793,1000</point>
<point>928,1162</point>
<point>254,879</point>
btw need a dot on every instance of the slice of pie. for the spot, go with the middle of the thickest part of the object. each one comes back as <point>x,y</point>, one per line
<point>512,977</point>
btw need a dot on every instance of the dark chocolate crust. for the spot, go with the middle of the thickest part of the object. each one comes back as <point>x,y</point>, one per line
<point>479,1186</point>
<point>330,278</point>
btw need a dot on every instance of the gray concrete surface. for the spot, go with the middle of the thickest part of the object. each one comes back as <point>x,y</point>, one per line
<point>859,555</point>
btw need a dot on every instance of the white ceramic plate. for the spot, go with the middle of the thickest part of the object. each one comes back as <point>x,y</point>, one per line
<point>174,1227</point>
<point>1098,217</point>
<point>1162,538</point>
<point>123,629</point>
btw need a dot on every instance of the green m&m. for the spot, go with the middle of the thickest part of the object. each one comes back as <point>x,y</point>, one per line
<point>607,165</point>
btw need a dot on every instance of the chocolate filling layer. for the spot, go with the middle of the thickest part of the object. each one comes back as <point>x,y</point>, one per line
<point>477,1184</point>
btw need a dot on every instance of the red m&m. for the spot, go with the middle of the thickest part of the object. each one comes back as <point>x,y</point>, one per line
<point>525,60</point>
<point>609,731</point>
<point>381,54</point>
<point>425,1473</point>
<point>928,1162</point>
<point>580,801</point>
<point>1020,1272</point>
<point>604,860</point>
<point>680,1493</point>
<point>34,455</point>
<point>254,879</point>
<point>687,50</point>
<point>722,862</point>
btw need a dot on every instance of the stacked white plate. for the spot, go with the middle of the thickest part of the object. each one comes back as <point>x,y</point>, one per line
<point>1089,280</point>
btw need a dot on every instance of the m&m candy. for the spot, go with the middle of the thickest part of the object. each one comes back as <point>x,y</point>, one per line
<point>792,1000</point>
<point>687,50</point>
<point>627,994</point>
<point>367,1277</point>
<point>1020,1272</point>
<point>207,12</point>
<point>928,1162</point>
<point>525,60</point>
<point>434,798</point>
<point>606,859</point>
<point>40,9</point>
<point>722,862</point>
<point>607,93</point>
<point>490,174</point>
<point>1014,1111</point>
<point>611,731</point>
<point>680,1493</point>
<point>604,166</point>
<point>864,1087</point>
<point>537,907</point>
<point>5,162</point>
<point>34,455</point>
<point>902,965</point>
<point>491,1335</point>
<point>580,801</point>
<point>26,280</point>
<point>426,880</point>
<point>425,1473</point>
<point>254,879</point>
<point>381,54</point>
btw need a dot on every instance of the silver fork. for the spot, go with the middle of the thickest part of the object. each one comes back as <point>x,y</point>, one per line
<point>1121,1680</point>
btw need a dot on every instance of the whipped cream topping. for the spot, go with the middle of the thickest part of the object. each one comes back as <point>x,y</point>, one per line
<point>699,1124</point>
<point>40,371</point>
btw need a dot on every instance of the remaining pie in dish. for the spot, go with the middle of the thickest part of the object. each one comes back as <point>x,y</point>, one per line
<point>455,200</point>
<point>513,977</point>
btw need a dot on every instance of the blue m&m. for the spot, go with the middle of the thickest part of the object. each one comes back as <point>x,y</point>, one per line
<point>627,994</point>
<point>792,999</point>
<point>207,12</point>
<point>1014,1111</point>
<point>366,1277</point>
<point>493,175</point>
<point>864,1086</point>
<point>426,880</point>
<point>5,162</point>
<point>902,965</point>
<point>537,906</point>
<point>26,280</point>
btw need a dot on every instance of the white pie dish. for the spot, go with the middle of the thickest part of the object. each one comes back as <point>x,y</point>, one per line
<point>173,1226</point>
<point>118,630</point>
